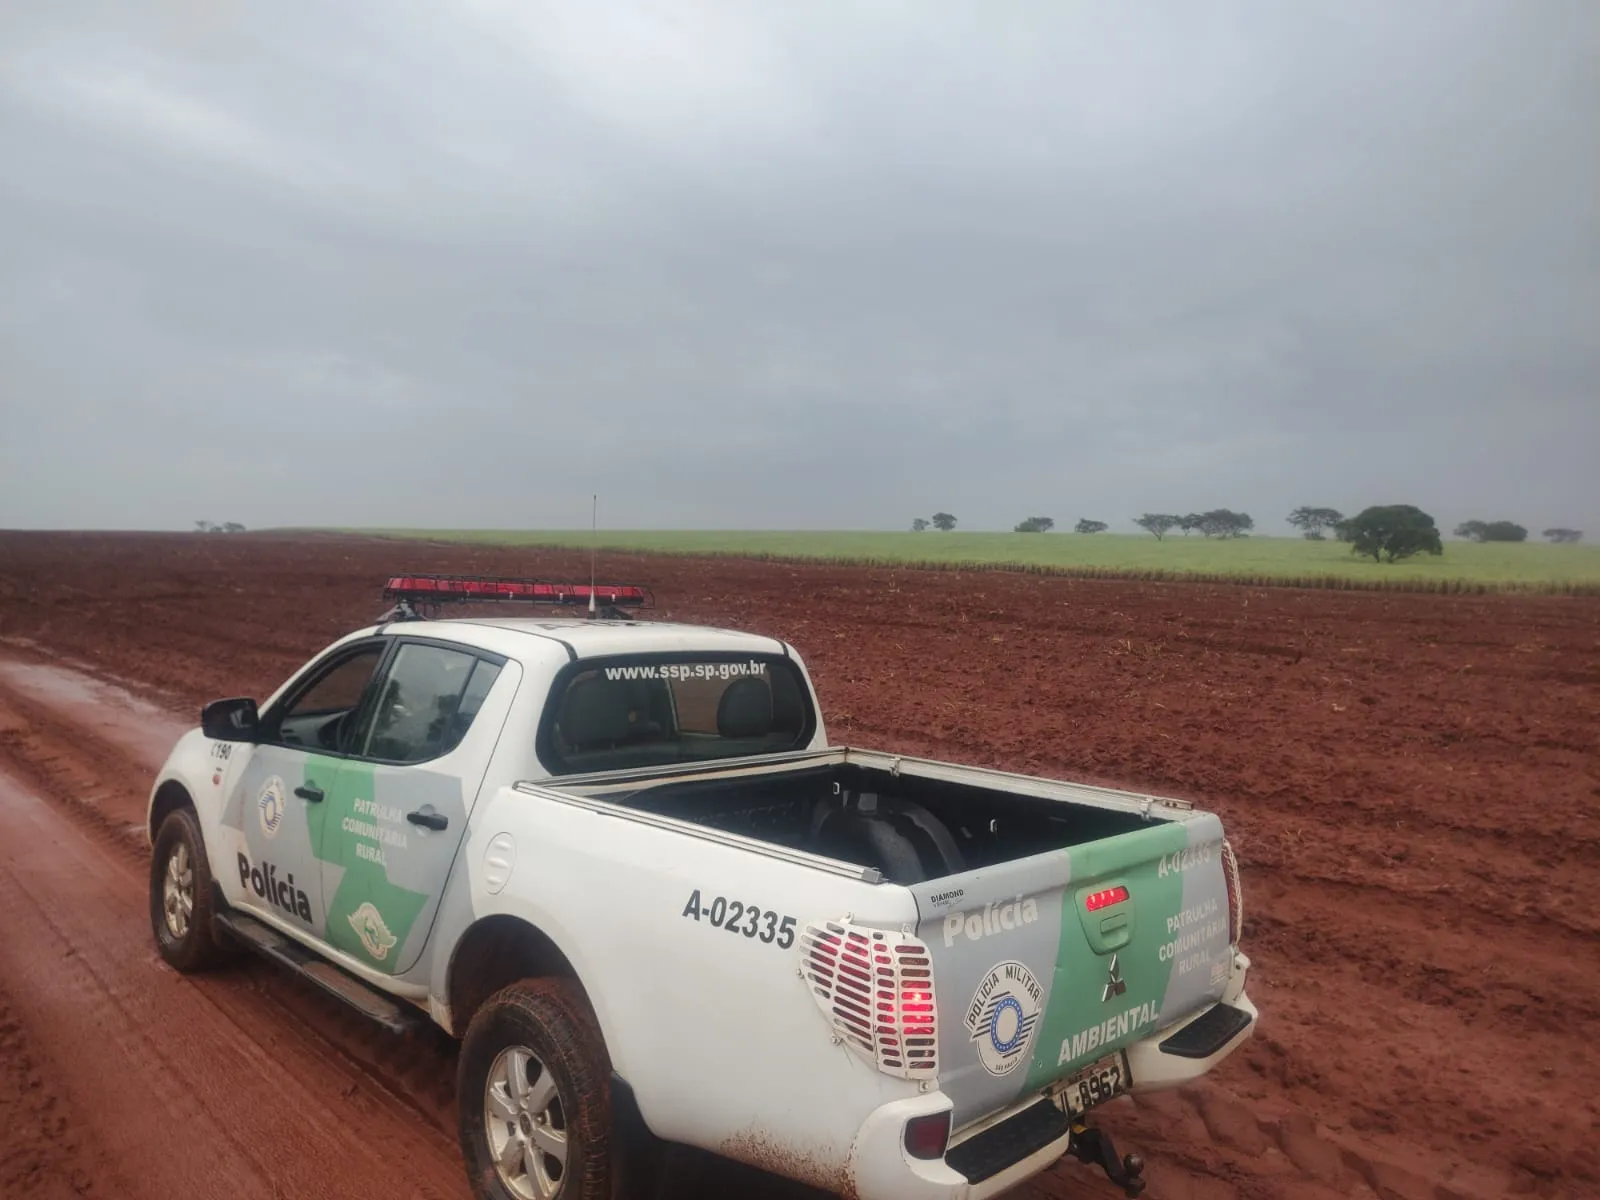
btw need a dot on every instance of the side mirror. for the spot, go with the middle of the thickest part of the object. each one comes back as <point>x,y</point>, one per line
<point>230,720</point>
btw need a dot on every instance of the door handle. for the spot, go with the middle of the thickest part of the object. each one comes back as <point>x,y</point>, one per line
<point>428,820</point>
<point>311,792</point>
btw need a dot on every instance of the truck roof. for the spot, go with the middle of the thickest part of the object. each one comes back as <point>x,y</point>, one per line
<point>585,638</point>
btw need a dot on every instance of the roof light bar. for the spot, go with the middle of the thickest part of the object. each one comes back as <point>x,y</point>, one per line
<point>440,589</point>
<point>417,597</point>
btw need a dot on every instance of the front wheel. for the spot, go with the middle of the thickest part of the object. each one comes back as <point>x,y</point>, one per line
<point>181,895</point>
<point>533,1090</point>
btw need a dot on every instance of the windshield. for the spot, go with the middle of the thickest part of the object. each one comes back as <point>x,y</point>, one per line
<point>650,710</point>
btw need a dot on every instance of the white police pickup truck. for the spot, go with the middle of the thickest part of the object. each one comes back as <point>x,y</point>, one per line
<point>620,860</point>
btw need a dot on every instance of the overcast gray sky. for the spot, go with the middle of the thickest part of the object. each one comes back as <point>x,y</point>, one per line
<point>801,265</point>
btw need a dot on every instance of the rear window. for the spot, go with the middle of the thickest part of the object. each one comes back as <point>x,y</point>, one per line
<point>656,709</point>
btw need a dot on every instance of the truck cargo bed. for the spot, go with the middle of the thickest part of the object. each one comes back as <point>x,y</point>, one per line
<point>909,820</point>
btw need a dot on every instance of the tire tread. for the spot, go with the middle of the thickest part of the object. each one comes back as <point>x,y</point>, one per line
<point>199,949</point>
<point>552,1016</point>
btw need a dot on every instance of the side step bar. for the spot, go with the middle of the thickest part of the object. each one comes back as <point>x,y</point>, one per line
<point>394,1015</point>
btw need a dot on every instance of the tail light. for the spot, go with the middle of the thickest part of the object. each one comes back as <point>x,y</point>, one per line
<point>1230,872</point>
<point>876,989</point>
<point>927,1137</point>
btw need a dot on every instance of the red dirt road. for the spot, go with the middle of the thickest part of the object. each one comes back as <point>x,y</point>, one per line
<point>1412,783</point>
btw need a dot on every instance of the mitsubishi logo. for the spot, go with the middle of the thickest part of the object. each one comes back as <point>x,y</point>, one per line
<point>1114,984</point>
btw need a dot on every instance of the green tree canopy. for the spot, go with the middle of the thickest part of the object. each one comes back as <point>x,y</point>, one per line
<point>1088,526</point>
<point>1158,523</point>
<point>1034,525</point>
<point>1312,521</point>
<point>1492,531</point>
<point>1390,532</point>
<point>1224,523</point>
<point>944,521</point>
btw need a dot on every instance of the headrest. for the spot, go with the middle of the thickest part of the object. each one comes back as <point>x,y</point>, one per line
<point>788,705</point>
<point>745,709</point>
<point>595,712</point>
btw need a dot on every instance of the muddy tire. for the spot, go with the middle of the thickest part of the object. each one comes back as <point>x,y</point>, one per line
<point>181,895</point>
<point>533,1088</point>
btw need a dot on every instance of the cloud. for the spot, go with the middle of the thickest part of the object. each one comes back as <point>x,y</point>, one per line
<point>171,122</point>
<point>708,77</point>
<point>798,265</point>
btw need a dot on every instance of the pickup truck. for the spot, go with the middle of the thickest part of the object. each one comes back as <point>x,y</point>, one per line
<point>621,862</point>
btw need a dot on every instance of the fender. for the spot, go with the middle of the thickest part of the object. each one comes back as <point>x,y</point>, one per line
<point>201,768</point>
<point>555,957</point>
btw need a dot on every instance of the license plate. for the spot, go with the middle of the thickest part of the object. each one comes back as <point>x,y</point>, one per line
<point>1093,1085</point>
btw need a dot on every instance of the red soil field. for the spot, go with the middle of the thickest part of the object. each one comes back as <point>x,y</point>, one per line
<point>1412,784</point>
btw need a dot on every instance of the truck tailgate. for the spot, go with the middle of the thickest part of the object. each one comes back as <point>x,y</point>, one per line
<point>1044,965</point>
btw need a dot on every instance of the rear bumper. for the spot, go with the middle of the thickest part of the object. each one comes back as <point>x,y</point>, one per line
<point>1184,1051</point>
<point>882,1170</point>
<point>1028,1138</point>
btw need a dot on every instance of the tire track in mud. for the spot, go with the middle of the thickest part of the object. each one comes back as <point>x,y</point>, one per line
<point>1209,1141</point>
<point>77,770</point>
<point>99,787</point>
<point>201,1090</point>
<point>103,788</point>
<point>47,1149</point>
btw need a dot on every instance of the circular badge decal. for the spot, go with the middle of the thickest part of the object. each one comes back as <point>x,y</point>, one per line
<point>271,805</point>
<point>1002,1016</point>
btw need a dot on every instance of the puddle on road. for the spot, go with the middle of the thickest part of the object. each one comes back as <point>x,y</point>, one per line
<point>129,722</point>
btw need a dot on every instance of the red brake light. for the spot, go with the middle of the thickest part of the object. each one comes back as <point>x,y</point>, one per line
<point>1095,901</point>
<point>926,1137</point>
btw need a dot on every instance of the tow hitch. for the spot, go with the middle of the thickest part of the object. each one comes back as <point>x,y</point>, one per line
<point>1095,1147</point>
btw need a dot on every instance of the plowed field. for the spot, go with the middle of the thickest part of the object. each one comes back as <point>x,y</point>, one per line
<point>1412,784</point>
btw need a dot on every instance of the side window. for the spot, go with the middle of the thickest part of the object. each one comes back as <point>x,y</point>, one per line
<point>427,703</point>
<point>483,677</point>
<point>320,716</point>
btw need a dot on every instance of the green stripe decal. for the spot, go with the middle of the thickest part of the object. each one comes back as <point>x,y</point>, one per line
<point>1088,1014</point>
<point>368,916</point>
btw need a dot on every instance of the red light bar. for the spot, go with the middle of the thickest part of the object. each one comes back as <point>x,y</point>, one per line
<point>1095,901</point>
<point>438,589</point>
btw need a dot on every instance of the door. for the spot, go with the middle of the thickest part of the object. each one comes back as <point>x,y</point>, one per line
<point>277,810</point>
<point>399,806</point>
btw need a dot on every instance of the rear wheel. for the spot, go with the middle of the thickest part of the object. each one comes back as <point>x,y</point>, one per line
<point>181,895</point>
<point>533,1090</point>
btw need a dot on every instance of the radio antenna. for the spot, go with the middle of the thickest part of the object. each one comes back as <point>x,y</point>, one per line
<point>594,539</point>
